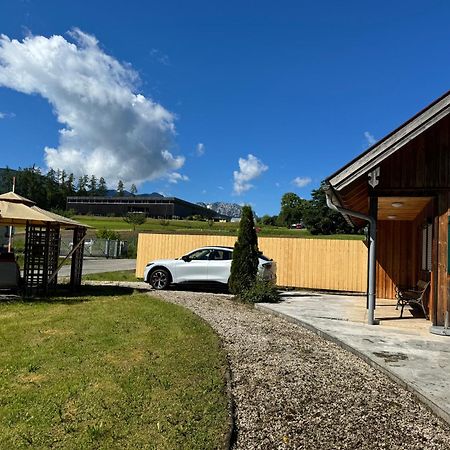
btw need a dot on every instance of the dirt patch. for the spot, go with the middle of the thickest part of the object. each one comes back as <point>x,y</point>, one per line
<point>391,357</point>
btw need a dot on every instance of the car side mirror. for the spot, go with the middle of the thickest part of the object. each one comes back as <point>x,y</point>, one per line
<point>186,258</point>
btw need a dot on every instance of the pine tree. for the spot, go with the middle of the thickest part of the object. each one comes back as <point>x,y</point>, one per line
<point>93,185</point>
<point>102,188</point>
<point>133,189</point>
<point>244,266</point>
<point>70,184</point>
<point>120,188</point>
<point>81,187</point>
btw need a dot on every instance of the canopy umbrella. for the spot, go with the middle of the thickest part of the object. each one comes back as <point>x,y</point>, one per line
<point>18,210</point>
<point>12,213</point>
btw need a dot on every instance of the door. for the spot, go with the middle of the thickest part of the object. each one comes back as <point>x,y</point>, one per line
<point>219,265</point>
<point>193,267</point>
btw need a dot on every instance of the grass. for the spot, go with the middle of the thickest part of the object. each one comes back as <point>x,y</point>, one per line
<point>121,275</point>
<point>109,369</point>
<point>197,227</point>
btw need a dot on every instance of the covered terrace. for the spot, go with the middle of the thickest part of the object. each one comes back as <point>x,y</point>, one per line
<point>401,187</point>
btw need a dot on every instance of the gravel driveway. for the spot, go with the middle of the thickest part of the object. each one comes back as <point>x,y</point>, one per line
<point>294,390</point>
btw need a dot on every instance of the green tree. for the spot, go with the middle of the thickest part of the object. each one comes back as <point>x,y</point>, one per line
<point>105,233</point>
<point>102,187</point>
<point>244,266</point>
<point>135,219</point>
<point>133,189</point>
<point>63,176</point>
<point>319,219</point>
<point>70,184</point>
<point>292,207</point>
<point>82,185</point>
<point>93,185</point>
<point>120,188</point>
<point>268,220</point>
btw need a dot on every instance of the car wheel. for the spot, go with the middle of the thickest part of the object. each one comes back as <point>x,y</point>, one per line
<point>160,279</point>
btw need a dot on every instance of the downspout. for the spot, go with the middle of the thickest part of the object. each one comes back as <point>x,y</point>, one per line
<point>372,247</point>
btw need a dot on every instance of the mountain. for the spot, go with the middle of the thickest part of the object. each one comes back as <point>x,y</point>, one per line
<point>228,209</point>
<point>113,193</point>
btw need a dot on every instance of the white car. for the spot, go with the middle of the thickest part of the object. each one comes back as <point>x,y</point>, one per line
<point>203,265</point>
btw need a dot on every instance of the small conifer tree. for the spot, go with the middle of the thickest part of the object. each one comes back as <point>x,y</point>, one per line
<point>244,266</point>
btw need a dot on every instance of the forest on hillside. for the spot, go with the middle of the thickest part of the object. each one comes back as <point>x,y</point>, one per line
<point>50,190</point>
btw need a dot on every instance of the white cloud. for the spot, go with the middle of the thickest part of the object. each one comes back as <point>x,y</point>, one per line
<point>220,187</point>
<point>5,115</point>
<point>249,169</point>
<point>159,56</point>
<point>369,138</point>
<point>175,177</point>
<point>108,129</point>
<point>301,181</point>
<point>200,149</point>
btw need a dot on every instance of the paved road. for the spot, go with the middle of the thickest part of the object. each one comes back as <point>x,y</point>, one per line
<point>94,265</point>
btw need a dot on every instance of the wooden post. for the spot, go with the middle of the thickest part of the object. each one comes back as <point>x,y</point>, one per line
<point>442,256</point>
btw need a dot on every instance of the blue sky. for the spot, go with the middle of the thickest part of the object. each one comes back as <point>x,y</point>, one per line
<point>303,87</point>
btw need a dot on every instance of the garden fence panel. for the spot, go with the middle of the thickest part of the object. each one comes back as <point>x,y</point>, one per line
<point>328,264</point>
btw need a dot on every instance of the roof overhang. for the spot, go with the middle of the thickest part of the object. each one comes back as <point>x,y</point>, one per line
<point>370,159</point>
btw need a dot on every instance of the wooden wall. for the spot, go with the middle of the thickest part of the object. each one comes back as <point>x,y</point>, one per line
<point>305,263</point>
<point>398,256</point>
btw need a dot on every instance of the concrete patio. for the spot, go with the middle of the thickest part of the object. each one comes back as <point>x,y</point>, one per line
<point>403,348</point>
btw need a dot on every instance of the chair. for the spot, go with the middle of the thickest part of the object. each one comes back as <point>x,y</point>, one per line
<point>412,296</point>
<point>9,272</point>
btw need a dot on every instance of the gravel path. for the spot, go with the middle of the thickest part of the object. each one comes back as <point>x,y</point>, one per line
<point>294,390</point>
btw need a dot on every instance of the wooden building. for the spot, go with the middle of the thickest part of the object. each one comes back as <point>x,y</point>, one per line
<point>403,182</point>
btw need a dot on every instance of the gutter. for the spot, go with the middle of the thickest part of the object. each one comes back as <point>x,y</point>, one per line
<point>333,203</point>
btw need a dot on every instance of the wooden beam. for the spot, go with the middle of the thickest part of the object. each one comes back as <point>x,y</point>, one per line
<point>441,263</point>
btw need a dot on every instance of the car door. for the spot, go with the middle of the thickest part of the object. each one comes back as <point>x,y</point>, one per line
<point>219,265</point>
<point>193,267</point>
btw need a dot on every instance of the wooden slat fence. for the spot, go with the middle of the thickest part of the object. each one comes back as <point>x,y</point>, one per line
<point>304,263</point>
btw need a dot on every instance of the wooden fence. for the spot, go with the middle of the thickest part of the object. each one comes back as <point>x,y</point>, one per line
<point>304,263</point>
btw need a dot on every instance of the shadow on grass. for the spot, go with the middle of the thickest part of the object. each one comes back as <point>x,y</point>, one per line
<point>207,288</point>
<point>62,294</point>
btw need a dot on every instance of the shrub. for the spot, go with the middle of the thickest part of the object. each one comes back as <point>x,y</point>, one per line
<point>260,291</point>
<point>132,248</point>
<point>108,234</point>
<point>244,265</point>
<point>135,219</point>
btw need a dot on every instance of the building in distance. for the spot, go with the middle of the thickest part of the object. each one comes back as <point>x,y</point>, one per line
<point>153,205</point>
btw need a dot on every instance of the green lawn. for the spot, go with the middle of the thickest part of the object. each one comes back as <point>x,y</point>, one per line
<point>120,275</point>
<point>109,369</point>
<point>197,227</point>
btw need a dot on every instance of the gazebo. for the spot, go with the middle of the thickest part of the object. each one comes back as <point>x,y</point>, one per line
<point>42,242</point>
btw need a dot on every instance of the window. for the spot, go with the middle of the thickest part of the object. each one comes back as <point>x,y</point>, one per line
<point>427,241</point>
<point>200,254</point>
<point>220,255</point>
